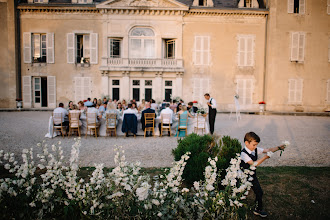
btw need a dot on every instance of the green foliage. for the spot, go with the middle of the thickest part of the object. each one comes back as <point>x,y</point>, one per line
<point>201,148</point>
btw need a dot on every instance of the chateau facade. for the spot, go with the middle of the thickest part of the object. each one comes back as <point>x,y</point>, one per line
<point>273,51</point>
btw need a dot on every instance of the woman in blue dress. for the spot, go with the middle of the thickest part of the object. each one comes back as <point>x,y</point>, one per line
<point>183,122</point>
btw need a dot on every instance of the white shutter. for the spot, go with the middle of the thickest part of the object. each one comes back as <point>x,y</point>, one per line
<point>206,50</point>
<point>290,6</point>
<point>249,51</point>
<point>205,87</point>
<point>78,89</point>
<point>294,46</point>
<point>248,91</point>
<point>27,92</point>
<point>299,90</point>
<point>51,91</point>
<point>50,48</point>
<point>196,89</point>
<point>301,51</point>
<point>70,48</point>
<point>86,86</point>
<point>240,90</point>
<point>197,52</point>
<point>94,48</point>
<point>301,6</point>
<point>292,88</point>
<point>241,51</point>
<point>27,47</point>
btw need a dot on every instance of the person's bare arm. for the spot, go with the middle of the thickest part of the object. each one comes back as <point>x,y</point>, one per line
<point>258,162</point>
<point>274,149</point>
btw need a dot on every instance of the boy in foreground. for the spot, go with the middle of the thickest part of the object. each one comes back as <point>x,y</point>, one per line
<point>249,157</point>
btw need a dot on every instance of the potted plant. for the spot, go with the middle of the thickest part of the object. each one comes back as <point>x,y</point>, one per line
<point>19,103</point>
<point>262,106</point>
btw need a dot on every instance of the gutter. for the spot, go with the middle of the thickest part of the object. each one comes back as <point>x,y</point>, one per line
<point>18,53</point>
<point>265,61</point>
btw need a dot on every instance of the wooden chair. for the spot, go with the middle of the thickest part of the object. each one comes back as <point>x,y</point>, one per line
<point>74,123</point>
<point>149,119</point>
<point>111,123</point>
<point>92,125</point>
<point>183,124</point>
<point>200,124</point>
<point>165,119</point>
<point>57,123</point>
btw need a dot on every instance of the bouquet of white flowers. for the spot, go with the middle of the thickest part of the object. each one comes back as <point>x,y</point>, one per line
<point>286,143</point>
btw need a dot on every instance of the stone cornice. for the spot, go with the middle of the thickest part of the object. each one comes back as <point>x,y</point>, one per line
<point>226,12</point>
<point>65,9</point>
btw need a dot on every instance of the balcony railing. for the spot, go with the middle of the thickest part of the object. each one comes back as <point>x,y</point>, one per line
<point>133,63</point>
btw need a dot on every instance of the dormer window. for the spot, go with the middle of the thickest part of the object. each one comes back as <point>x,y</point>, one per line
<point>82,1</point>
<point>38,1</point>
<point>203,3</point>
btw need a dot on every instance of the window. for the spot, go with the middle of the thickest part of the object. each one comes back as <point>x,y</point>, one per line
<point>168,82</point>
<point>244,89</point>
<point>246,50</point>
<point>202,50</point>
<point>39,48</point>
<point>142,43</point>
<point>82,48</point>
<point>200,87</point>
<point>202,2</point>
<point>115,89</point>
<point>328,91</point>
<point>297,46</point>
<point>295,91</point>
<point>82,1</point>
<point>114,47</point>
<point>38,1</point>
<point>169,49</point>
<point>296,6</point>
<point>83,87</point>
<point>168,90</point>
<point>148,82</point>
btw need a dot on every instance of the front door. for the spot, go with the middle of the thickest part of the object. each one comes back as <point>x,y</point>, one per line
<point>141,89</point>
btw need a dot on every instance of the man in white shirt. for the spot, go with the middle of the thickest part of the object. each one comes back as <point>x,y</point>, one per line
<point>64,113</point>
<point>92,109</point>
<point>212,111</point>
<point>168,111</point>
<point>154,105</point>
<point>129,110</point>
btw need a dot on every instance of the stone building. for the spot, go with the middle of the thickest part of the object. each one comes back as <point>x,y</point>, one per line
<point>272,51</point>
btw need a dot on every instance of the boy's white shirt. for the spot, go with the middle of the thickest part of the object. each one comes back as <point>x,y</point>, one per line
<point>246,157</point>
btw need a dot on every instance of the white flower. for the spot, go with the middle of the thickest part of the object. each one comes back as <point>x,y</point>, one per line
<point>155,202</point>
<point>142,192</point>
<point>286,143</point>
<point>185,190</point>
<point>7,166</point>
<point>159,214</point>
<point>209,187</point>
<point>270,154</point>
<point>196,185</point>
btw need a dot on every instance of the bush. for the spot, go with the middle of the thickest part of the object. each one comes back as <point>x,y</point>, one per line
<point>201,148</point>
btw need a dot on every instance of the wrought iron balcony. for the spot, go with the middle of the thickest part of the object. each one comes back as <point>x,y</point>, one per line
<point>136,64</point>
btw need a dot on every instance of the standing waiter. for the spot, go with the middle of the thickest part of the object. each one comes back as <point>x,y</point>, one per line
<point>212,110</point>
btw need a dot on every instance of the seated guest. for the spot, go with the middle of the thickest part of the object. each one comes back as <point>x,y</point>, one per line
<point>111,108</point>
<point>134,107</point>
<point>103,108</point>
<point>178,107</point>
<point>88,102</point>
<point>173,105</point>
<point>183,115</point>
<point>142,105</point>
<point>129,110</point>
<point>120,108</point>
<point>76,110</point>
<point>105,99</point>
<point>184,111</point>
<point>70,106</point>
<point>124,104</point>
<point>92,109</point>
<point>146,110</point>
<point>65,113</point>
<point>81,106</point>
<point>191,108</point>
<point>167,110</point>
<point>129,121</point>
<point>94,101</point>
<point>154,106</point>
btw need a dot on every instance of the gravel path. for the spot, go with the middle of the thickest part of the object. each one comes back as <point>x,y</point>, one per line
<point>309,137</point>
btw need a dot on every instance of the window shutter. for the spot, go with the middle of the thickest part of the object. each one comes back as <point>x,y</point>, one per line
<point>290,6</point>
<point>206,50</point>
<point>196,92</point>
<point>197,54</point>
<point>328,8</point>
<point>50,48</point>
<point>241,51</point>
<point>51,91</point>
<point>78,89</point>
<point>292,86</point>
<point>248,91</point>
<point>94,48</point>
<point>301,50</point>
<point>249,52</point>
<point>206,87</point>
<point>240,90</point>
<point>301,6</point>
<point>294,46</point>
<point>70,48</point>
<point>27,92</point>
<point>27,47</point>
<point>86,86</point>
<point>299,90</point>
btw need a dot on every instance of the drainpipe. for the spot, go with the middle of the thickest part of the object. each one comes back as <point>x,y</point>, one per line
<point>265,62</point>
<point>18,53</point>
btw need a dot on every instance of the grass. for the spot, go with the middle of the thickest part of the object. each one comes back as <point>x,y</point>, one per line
<point>289,192</point>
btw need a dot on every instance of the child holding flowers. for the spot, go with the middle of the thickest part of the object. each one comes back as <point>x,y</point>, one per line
<point>249,156</point>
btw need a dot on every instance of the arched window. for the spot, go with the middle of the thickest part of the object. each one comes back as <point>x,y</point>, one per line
<point>142,43</point>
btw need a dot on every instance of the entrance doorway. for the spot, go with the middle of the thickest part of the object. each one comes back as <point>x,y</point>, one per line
<point>40,92</point>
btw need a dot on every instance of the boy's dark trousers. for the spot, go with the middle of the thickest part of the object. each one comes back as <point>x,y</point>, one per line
<point>258,192</point>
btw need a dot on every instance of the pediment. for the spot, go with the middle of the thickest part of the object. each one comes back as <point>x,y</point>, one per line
<point>150,4</point>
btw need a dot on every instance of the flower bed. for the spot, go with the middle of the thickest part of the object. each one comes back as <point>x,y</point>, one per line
<point>50,189</point>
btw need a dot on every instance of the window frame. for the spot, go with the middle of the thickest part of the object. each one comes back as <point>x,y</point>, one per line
<point>302,7</point>
<point>110,47</point>
<point>142,51</point>
<point>293,99</point>
<point>203,51</point>
<point>244,39</point>
<point>84,51</point>
<point>166,43</point>
<point>42,58</point>
<point>299,46</point>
